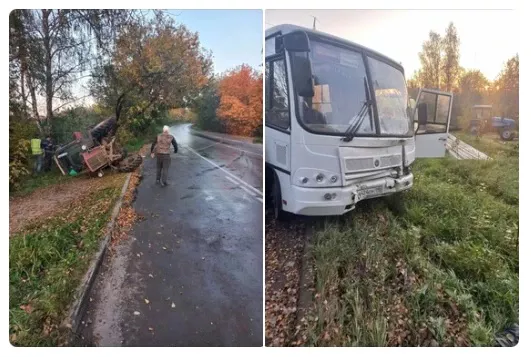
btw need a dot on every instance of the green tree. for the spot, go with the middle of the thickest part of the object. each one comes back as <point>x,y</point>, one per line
<point>431,60</point>
<point>206,105</point>
<point>156,65</point>
<point>58,47</point>
<point>507,87</point>
<point>473,89</point>
<point>450,67</point>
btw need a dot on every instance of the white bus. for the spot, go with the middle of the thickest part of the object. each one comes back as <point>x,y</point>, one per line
<point>339,124</point>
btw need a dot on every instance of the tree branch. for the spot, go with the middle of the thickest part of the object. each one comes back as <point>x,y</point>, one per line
<point>72,101</point>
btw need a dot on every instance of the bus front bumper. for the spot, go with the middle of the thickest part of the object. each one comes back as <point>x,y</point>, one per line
<point>334,201</point>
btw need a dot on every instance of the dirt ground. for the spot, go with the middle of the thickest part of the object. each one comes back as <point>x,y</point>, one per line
<point>52,200</point>
<point>284,249</point>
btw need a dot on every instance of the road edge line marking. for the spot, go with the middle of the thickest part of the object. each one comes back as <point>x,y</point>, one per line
<point>252,194</point>
<point>238,149</point>
<point>225,171</point>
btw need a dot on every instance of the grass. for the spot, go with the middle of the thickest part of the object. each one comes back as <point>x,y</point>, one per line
<point>258,140</point>
<point>490,144</point>
<point>43,179</point>
<point>47,261</point>
<point>437,266</point>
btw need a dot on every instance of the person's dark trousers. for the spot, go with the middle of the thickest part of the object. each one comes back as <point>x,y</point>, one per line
<point>47,161</point>
<point>163,164</point>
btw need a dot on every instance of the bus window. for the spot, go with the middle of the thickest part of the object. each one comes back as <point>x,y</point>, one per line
<point>321,99</point>
<point>276,101</point>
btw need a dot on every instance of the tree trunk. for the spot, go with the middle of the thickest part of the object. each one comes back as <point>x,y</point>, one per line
<point>23,87</point>
<point>33,96</point>
<point>48,65</point>
<point>22,53</point>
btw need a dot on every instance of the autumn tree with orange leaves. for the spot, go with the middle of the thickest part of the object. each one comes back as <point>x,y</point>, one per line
<point>240,106</point>
<point>156,65</point>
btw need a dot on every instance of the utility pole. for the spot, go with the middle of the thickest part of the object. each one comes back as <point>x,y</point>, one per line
<point>314,19</point>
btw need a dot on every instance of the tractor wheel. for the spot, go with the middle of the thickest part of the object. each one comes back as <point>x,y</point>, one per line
<point>130,163</point>
<point>118,150</point>
<point>507,135</point>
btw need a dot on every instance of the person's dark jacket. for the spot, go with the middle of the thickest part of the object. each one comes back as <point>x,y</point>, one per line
<point>173,142</point>
<point>47,146</point>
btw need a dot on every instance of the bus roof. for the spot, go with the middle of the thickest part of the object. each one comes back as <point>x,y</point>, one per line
<point>287,28</point>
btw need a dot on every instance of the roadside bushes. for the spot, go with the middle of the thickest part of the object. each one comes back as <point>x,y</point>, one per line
<point>206,106</point>
<point>20,134</point>
<point>75,119</point>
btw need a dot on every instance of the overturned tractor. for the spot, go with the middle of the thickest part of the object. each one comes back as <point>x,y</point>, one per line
<point>95,151</point>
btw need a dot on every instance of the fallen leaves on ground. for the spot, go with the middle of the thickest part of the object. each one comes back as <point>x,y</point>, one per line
<point>127,216</point>
<point>57,200</point>
<point>284,247</point>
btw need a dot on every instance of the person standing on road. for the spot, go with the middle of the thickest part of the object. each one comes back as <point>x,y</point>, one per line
<point>161,147</point>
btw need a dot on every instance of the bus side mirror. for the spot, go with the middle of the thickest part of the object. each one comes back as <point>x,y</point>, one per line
<point>297,44</point>
<point>302,75</point>
<point>296,41</point>
<point>422,113</point>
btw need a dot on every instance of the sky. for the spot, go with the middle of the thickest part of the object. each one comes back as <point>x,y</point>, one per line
<point>488,37</point>
<point>234,36</point>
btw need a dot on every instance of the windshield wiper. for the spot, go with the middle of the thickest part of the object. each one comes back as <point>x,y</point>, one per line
<point>356,125</point>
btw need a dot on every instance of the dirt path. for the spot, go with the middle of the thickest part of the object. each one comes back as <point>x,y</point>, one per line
<point>51,200</point>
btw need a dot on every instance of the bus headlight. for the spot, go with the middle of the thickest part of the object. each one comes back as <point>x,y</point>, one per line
<point>313,178</point>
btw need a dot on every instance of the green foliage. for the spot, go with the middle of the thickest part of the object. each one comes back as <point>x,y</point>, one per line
<point>20,134</point>
<point>76,119</point>
<point>449,256</point>
<point>18,163</point>
<point>508,89</point>
<point>206,106</point>
<point>492,145</point>
<point>43,179</point>
<point>46,263</point>
<point>168,69</point>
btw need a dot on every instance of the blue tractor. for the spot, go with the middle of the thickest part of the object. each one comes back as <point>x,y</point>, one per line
<point>484,122</point>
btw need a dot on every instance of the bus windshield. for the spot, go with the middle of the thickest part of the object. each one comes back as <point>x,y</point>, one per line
<point>340,93</point>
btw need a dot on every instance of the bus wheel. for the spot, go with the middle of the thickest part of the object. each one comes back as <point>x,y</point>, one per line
<point>276,198</point>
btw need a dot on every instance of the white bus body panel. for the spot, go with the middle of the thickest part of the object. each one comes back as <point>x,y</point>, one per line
<point>365,167</point>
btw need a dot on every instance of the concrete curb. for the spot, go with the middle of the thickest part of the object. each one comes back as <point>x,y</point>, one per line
<point>220,139</point>
<point>80,303</point>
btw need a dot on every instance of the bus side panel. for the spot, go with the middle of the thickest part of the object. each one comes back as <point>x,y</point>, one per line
<point>277,149</point>
<point>287,192</point>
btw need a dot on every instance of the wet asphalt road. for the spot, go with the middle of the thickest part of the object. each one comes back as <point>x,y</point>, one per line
<point>196,257</point>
